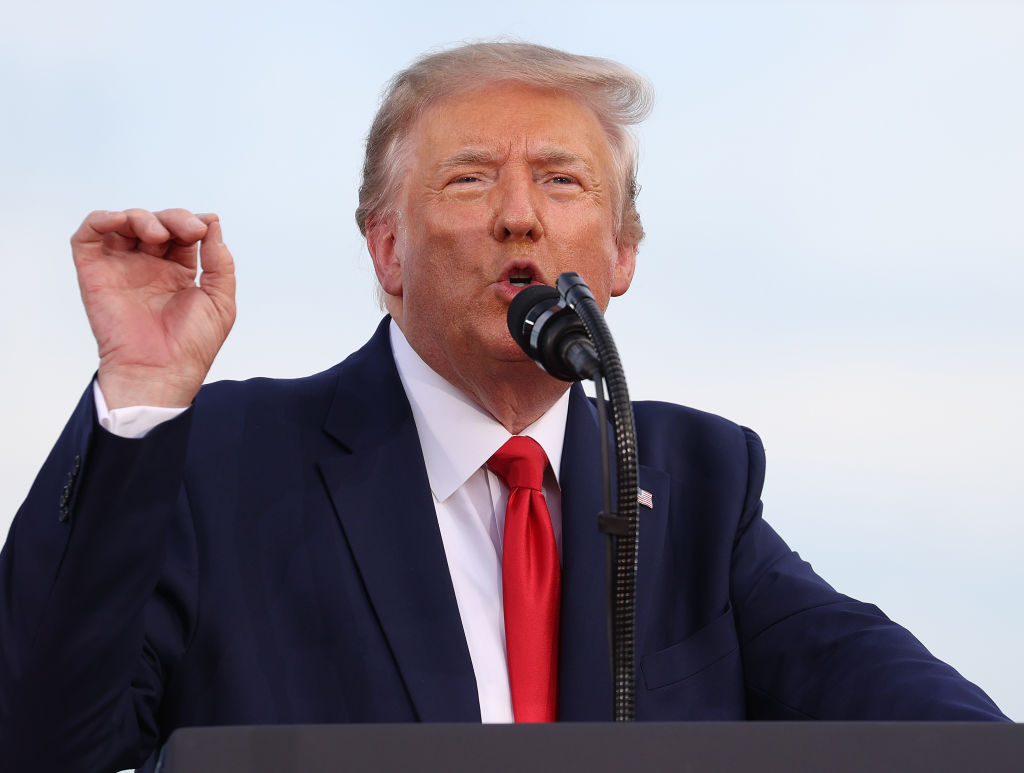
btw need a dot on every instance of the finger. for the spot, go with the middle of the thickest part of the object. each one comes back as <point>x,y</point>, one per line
<point>96,225</point>
<point>218,277</point>
<point>184,227</point>
<point>142,232</point>
<point>144,226</point>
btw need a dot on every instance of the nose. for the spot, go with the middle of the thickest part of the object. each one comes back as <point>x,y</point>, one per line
<point>517,210</point>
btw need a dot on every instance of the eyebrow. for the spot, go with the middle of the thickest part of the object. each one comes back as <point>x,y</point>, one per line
<point>550,155</point>
<point>469,156</point>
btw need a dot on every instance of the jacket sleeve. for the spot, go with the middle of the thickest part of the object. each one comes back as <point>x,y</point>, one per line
<point>812,653</point>
<point>97,598</point>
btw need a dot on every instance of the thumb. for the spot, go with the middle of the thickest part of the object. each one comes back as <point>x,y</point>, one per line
<point>218,269</point>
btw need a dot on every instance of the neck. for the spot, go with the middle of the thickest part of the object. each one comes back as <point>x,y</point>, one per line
<point>516,397</point>
<point>513,390</point>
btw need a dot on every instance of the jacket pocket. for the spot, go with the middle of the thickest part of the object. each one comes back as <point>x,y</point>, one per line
<point>692,655</point>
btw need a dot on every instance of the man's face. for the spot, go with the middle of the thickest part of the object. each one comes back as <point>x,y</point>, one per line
<point>508,186</point>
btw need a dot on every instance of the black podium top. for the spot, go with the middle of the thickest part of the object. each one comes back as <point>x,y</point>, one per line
<point>837,747</point>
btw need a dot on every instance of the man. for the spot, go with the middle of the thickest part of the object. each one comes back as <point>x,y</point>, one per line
<point>333,549</point>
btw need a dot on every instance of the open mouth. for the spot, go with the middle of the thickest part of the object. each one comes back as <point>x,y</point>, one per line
<point>520,279</point>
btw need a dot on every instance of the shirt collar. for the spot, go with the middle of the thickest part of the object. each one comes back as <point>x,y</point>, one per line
<point>456,435</point>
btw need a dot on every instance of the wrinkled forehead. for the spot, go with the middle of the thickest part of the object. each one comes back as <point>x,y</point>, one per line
<point>505,116</point>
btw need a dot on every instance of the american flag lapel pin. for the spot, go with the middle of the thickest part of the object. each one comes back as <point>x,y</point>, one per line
<point>645,498</point>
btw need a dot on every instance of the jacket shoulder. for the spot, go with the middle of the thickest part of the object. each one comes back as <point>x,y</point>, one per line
<point>660,425</point>
<point>229,396</point>
<point>301,397</point>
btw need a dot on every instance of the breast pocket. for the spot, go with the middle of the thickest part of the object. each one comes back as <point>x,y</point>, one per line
<point>703,649</point>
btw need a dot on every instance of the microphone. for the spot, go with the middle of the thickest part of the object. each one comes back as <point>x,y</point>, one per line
<point>552,334</point>
<point>565,331</point>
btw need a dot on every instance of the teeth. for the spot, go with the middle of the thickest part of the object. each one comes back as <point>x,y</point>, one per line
<point>519,281</point>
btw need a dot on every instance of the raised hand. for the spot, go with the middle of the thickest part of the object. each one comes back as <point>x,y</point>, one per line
<point>157,330</point>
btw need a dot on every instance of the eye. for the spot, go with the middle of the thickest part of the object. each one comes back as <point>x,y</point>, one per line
<point>466,178</point>
<point>563,179</point>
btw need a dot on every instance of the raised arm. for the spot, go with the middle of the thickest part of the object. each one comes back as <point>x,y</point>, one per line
<point>87,627</point>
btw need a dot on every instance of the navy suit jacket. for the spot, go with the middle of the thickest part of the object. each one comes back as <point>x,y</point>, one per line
<point>273,556</point>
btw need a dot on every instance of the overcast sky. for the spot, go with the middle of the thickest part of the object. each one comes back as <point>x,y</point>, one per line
<point>834,201</point>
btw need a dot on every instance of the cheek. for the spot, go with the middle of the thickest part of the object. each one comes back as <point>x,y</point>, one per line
<point>455,245</point>
<point>461,225</point>
<point>600,253</point>
<point>446,231</point>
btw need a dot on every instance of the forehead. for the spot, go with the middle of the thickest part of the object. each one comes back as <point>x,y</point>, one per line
<point>509,117</point>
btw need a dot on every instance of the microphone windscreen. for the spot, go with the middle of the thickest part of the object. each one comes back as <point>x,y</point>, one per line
<point>526,301</point>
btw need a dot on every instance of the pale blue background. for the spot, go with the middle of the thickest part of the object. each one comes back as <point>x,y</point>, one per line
<point>834,196</point>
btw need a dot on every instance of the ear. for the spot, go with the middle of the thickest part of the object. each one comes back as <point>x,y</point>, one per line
<point>622,274</point>
<point>381,241</point>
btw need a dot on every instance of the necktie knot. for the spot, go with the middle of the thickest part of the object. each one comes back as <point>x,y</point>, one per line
<point>520,463</point>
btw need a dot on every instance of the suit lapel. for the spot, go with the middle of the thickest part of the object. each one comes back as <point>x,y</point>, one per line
<point>584,673</point>
<point>381,494</point>
<point>585,692</point>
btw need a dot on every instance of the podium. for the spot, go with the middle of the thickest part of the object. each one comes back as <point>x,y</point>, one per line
<point>692,747</point>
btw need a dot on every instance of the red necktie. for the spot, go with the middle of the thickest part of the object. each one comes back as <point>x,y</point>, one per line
<point>531,580</point>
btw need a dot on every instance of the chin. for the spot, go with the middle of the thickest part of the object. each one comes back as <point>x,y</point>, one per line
<point>503,348</point>
<point>517,365</point>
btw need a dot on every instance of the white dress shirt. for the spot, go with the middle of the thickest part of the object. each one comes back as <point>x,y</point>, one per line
<point>457,438</point>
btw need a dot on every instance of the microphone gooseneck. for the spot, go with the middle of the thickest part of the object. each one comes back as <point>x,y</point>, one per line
<point>622,525</point>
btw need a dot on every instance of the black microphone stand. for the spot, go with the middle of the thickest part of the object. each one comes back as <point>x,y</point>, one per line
<point>620,525</point>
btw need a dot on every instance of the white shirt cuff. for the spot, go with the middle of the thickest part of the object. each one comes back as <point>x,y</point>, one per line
<point>132,422</point>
